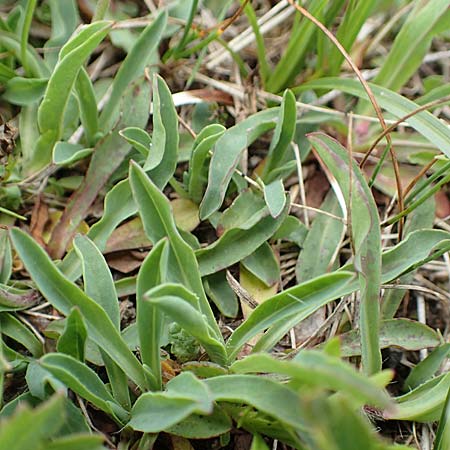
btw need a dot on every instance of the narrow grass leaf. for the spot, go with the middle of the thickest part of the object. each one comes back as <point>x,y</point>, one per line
<point>63,295</point>
<point>425,123</point>
<point>411,44</point>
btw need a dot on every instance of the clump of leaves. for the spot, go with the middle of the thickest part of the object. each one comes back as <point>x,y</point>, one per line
<point>87,367</point>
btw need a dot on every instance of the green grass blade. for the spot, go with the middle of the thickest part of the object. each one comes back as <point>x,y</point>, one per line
<point>424,122</point>
<point>411,44</point>
<point>29,11</point>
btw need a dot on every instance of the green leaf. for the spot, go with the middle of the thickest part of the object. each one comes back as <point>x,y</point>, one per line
<point>275,197</point>
<point>149,320</point>
<point>52,109</point>
<point>322,242</point>
<point>264,265</point>
<point>412,252</point>
<point>65,154</point>
<point>84,381</point>
<point>63,295</point>
<point>264,394</point>
<point>423,404</point>
<point>132,68</point>
<point>366,237</point>
<point>27,428</point>
<point>201,426</point>
<point>399,333</point>
<point>99,285</point>
<point>316,369</point>
<point>162,158</point>
<point>138,138</point>
<point>182,307</point>
<point>247,210</point>
<point>17,330</point>
<point>78,442</point>
<point>301,301</point>
<point>220,292</point>
<point>442,440</point>
<point>158,221</point>
<point>236,244</point>
<point>427,368</point>
<point>423,122</point>
<point>185,395</point>
<point>98,281</point>
<point>88,106</point>
<point>73,340</point>
<point>227,154</point>
<point>258,443</point>
<point>201,149</point>
<point>411,44</point>
<point>292,229</point>
<point>282,136</point>
<point>24,91</point>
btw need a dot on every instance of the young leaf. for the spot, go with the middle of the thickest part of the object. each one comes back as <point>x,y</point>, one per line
<point>52,109</point>
<point>275,197</point>
<point>230,147</point>
<point>182,307</point>
<point>73,340</point>
<point>200,151</point>
<point>283,134</point>
<point>158,221</point>
<point>162,158</point>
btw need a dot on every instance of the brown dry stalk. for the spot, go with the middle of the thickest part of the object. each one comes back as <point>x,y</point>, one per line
<point>371,96</point>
